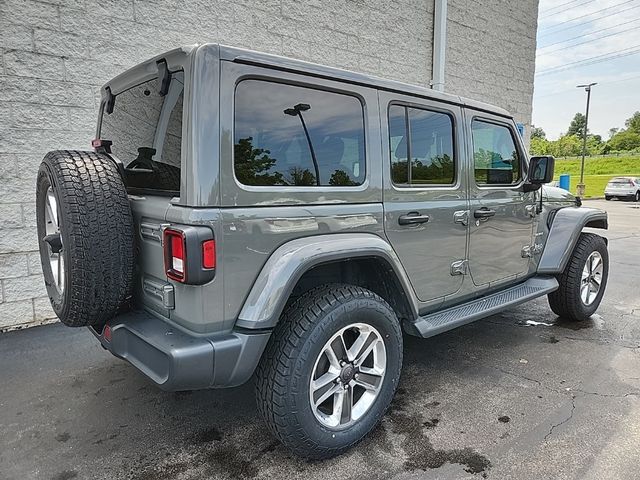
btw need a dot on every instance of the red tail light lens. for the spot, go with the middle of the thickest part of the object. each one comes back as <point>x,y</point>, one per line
<point>209,254</point>
<point>175,254</point>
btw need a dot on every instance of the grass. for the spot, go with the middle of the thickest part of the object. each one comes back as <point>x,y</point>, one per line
<point>597,171</point>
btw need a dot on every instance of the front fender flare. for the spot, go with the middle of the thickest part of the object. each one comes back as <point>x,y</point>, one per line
<point>290,261</point>
<point>567,225</point>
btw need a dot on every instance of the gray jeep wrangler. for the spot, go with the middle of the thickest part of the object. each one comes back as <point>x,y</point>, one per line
<point>244,214</point>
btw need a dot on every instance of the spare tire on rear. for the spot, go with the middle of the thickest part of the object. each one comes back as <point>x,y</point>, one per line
<point>86,236</point>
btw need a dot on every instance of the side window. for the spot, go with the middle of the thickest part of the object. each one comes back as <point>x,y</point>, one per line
<point>495,156</point>
<point>290,135</point>
<point>425,137</point>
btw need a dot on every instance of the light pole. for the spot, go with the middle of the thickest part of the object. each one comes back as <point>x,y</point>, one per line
<point>297,110</point>
<point>587,88</point>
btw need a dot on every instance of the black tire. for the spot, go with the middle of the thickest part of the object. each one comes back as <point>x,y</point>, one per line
<point>284,373</point>
<point>96,230</point>
<point>607,198</point>
<point>636,197</point>
<point>566,301</point>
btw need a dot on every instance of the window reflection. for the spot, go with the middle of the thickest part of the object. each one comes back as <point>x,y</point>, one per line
<point>496,159</point>
<point>290,135</point>
<point>427,138</point>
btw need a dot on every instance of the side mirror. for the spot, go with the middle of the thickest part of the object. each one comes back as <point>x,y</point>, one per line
<point>541,170</point>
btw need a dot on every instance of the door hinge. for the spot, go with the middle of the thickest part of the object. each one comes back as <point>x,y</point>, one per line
<point>461,217</point>
<point>529,251</point>
<point>459,267</point>
<point>531,210</point>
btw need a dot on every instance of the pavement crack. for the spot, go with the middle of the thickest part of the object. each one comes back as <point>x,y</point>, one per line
<point>529,379</point>
<point>607,395</point>
<point>556,425</point>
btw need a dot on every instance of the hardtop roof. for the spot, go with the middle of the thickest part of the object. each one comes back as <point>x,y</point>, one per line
<point>242,55</point>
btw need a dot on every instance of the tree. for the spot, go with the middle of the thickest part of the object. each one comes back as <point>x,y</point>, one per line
<point>537,132</point>
<point>625,140</point>
<point>252,165</point>
<point>633,123</point>
<point>566,146</point>
<point>577,126</point>
<point>539,146</point>
<point>613,131</point>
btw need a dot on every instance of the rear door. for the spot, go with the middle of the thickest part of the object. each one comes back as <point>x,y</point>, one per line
<point>502,214</point>
<point>425,192</point>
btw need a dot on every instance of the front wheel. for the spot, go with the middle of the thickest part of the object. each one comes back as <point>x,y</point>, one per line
<point>330,370</point>
<point>636,197</point>
<point>583,281</point>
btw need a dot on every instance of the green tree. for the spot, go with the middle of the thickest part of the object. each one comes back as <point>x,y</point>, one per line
<point>539,146</point>
<point>252,165</point>
<point>340,178</point>
<point>625,140</point>
<point>566,146</point>
<point>301,177</point>
<point>613,131</point>
<point>577,125</point>
<point>537,132</point>
<point>633,123</point>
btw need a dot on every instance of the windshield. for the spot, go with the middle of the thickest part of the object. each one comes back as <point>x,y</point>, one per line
<point>146,130</point>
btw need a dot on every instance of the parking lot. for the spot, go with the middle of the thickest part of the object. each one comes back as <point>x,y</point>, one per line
<point>519,395</point>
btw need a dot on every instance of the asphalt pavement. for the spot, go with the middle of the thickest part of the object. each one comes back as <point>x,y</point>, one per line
<point>519,395</point>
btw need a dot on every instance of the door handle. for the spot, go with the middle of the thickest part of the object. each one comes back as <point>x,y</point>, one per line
<point>484,213</point>
<point>412,218</point>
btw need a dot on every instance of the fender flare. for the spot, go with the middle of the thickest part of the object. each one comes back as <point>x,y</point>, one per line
<point>565,230</point>
<point>290,261</point>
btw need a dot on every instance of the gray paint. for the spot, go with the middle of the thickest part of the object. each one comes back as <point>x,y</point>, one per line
<point>289,262</point>
<point>495,244</point>
<point>564,233</point>
<point>176,360</point>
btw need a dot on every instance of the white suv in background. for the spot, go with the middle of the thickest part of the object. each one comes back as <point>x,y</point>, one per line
<point>623,187</point>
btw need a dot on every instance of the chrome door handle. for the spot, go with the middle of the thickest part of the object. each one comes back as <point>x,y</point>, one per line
<point>484,213</point>
<point>412,218</point>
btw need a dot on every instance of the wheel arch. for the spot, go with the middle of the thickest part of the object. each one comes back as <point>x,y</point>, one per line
<point>364,260</point>
<point>564,232</point>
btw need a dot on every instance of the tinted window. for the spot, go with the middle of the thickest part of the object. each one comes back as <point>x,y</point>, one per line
<point>146,131</point>
<point>426,138</point>
<point>289,135</point>
<point>495,156</point>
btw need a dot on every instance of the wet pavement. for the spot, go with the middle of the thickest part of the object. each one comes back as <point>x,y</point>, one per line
<point>518,395</point>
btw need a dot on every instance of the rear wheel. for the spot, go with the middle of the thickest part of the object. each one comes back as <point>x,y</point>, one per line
<point>636,197</point>
<point>330,370</point>
<point>583,282</point>
<point>607,198</point>
<point>85,233</point>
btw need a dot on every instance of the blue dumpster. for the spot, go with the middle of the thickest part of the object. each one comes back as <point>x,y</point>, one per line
<point>565,181</point>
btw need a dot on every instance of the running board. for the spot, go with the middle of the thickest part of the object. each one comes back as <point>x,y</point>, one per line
<point>443,320</point>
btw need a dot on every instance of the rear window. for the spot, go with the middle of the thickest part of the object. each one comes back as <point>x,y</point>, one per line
<point>620,181</point>
<point>297,136</point>
<point>146,130</point>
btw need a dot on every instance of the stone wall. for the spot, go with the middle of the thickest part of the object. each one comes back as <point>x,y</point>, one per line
<point>54,55</point>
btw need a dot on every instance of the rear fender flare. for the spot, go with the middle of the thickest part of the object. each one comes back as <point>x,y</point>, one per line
<point>289,262</point>
<point>564,232</point>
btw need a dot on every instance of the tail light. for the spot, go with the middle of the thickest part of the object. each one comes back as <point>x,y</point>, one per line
<point>175,250</point>
<point>189,254</point>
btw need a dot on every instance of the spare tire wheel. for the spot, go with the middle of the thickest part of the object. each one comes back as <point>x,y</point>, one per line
<point>85,234</point>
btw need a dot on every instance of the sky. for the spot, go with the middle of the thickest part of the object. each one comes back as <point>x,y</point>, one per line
<point>602,37</point>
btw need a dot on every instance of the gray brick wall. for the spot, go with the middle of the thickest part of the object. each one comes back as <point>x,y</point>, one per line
<point>54,54</point>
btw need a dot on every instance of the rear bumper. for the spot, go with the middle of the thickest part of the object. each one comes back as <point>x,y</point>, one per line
<point>177,360</point>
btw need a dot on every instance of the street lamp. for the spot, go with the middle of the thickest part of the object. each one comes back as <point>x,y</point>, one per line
<point>587,88</point>
<point>297,110</point>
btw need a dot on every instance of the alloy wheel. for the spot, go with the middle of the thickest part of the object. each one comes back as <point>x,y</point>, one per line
<point>347,375</point>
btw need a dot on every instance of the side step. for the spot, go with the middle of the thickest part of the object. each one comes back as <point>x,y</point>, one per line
<point>443,320</point>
